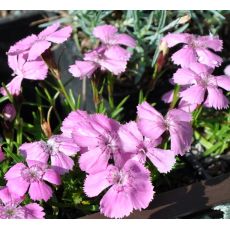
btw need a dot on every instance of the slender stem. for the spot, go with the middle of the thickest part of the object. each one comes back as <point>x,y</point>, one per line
<point>153,81</point>
<point>84,93</point>
<point>63,90</point>
<point>96,96</point>
<point>175,96</point>
<point>110,87</point>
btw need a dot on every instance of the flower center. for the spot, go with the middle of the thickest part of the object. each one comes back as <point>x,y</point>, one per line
<point>141,154</point>
<point>32,174</point>
<point>12,211</point>
<point>118,177</point>
<point>109,141</point>
<point>205,80</point>
<point>53,146</point>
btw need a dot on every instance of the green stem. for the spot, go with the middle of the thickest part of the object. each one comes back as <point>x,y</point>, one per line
<point>63,90</point>
<point>110,87</point>
<point>175,96</point>
<point>96,96</point>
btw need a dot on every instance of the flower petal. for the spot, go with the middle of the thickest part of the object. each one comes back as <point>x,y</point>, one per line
<point>194,94</point>
<point>34,211</point>
<point>94,160</point>
<point>150,122</point>
<point>105,33</point>
<point>60,36</point>
<point>162,159</point>
<point>116,204</point>
<point>184,76</point>
<point>61,163</point>
<point>95,183</point>
<point>14,87</point>
<point>40,191</point>
<point>17,185</point>
<point>223,82</point>
<point>181,137</point>
<point>184,56</point>
<point>38,48</point>
<point>52,176</point>
<point>208,58</point>
<point>216,98</point>
<point>35,151</point>
<point>83,69</point>
<point>124,39</point>
<point>173,39</point>
<point>130,137</point>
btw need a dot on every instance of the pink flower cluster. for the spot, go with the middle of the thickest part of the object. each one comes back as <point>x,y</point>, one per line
<point>110,55</point>
<point>198,84</point>
<point>24,57</point>
<point>45,162</point>
<point>114,155</point>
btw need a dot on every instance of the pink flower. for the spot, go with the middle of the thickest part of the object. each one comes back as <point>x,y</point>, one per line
<point>195,49</point>
<point>133,141</point>
<point>2,157</point>
<point>113,59</point>
<point>200,79</point>
<point>32,70</point>
<point>109,36</point>
<point>35,45</point>
<point>21,178</point>
<point>10,207</point>
<point>98,140</point>
<point>9,112</point>
<point>109,56</point>
<point>152,125</point>
<point>58,148</point>
<point>130,188</point>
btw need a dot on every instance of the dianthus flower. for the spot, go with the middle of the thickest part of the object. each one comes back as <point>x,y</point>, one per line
<point>22,69</point>
<point>10,207</point>
<point>112,59</point>
<point>97,137</point>
<point>35,45</point>
<point>152,125</point>
<point>200,80</point>
<point>130,188</point>
<point>58,148</point>
<point>109,56</point>
<point>21,178</point>
<point>24,56</point>
<point>132,141</point>
<point>195,49</point>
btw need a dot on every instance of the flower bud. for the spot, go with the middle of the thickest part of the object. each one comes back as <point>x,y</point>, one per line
<point>184,19</point>
<point>46,128</point>
<point>9,112</point>
<point>163,47</point>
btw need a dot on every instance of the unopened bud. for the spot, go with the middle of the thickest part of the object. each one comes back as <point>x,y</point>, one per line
<point>46,128</point>
<point>163,47</point>
<point>184,19</point>
<point>9,112</point>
